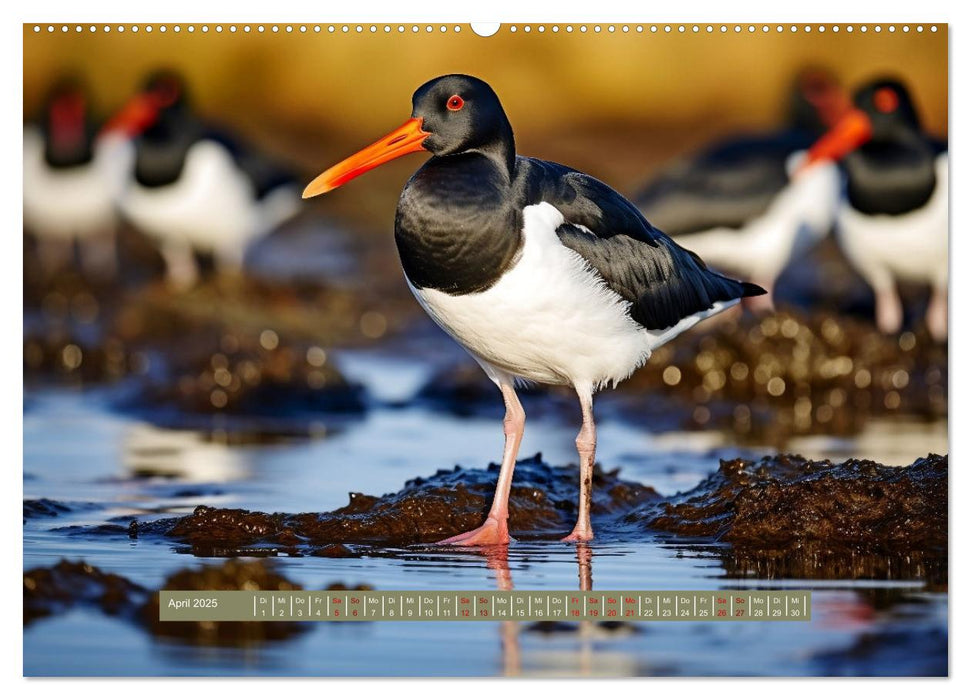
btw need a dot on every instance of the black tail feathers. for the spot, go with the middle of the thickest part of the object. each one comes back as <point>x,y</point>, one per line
<point>752,290</point>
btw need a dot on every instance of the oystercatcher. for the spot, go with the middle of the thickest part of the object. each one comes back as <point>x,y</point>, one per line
<point>196,189</point>
<point>893,224</point>
<point>72,178</point>
<point>540,272</point>
<point>735,204</point>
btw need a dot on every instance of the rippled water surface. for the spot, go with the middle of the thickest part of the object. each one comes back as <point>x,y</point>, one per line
<point>108,465</point>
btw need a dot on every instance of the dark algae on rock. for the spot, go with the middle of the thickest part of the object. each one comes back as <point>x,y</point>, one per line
<point>777,517</point>
<point>425,510</point>
<point>789,517</point>
<point>784,500</point>
<point>782,516</point>
<point>789,373</point>
<point>229,354</point>
<point>56,589</point>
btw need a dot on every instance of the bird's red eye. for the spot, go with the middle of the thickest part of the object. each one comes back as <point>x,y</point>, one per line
<point>455,103</point>
<point>886,100</point>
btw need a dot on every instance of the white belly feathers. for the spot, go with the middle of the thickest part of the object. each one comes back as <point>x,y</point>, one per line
<point>74,202</point>
<point>550,318</point>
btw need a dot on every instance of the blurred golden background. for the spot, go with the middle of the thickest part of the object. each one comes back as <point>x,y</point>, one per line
<point>613,104</point>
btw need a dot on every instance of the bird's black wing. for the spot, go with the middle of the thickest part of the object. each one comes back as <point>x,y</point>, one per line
<point>726,185</point>
<point>265,173</point>
<point>663,282</point>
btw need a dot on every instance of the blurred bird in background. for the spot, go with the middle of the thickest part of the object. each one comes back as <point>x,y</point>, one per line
<point>735,205</point>
<point>196,189</point>
<point>893,224</point>
<point>749,206</point>
<point>73,176</point>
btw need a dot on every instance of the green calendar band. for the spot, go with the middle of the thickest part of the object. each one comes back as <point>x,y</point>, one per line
<point>371,606</point>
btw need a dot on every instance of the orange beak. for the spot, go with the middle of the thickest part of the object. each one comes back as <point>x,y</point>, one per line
<point>851,131</point>
<point>406,139</point>
<point>139,113</point>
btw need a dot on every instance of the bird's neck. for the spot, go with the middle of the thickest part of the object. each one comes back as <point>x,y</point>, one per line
<point>68,134</point>
<point>502,149</point>
<point>891,177</point>
<point>457,228</point>
<point>162,149</point>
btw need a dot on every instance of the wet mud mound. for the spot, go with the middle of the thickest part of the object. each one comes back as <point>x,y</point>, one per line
<point>56,589</point>
<point>778,517</point>
<point>244,374</point>
<point>229,354</point>
<point>782,515</point>
<point>542,504</point>
<point>781,501</point>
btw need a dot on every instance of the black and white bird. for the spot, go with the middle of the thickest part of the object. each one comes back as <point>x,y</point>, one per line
<point>195,188</point>
<point>540,272</point>
<point>72,178</point>
<point>893,223</point>
<point>736,204</point>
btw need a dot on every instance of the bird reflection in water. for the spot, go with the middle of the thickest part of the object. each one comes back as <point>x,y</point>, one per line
<point>585,574</point>
<point>497,559</point>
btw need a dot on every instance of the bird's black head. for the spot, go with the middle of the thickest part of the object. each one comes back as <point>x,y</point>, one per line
<point>67,124</point>
<point>461,113</point>
<point>817,100</point>
<point>888,104</point>
<point>450,115</point>
<point>161,98</point>
<point>883,112</point>
<point>168,88</point>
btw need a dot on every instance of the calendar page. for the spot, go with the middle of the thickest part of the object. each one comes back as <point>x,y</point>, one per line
<point>523,350</point>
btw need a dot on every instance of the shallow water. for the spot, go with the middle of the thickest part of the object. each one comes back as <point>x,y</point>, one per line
<point>77,450</point>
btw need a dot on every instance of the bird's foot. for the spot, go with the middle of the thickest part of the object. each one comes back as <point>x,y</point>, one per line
<point>579,534</point>
<point>492,531</point>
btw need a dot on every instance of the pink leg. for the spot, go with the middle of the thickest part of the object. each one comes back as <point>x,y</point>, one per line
<point>937,313</point>
<point>889,311</point>
<point>495,530</point>
<point>585,566</point>
<point>586,448</point>
<point>99,255</point>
